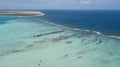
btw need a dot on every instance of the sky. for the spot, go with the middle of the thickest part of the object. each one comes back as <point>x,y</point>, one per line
<point>59,4</point>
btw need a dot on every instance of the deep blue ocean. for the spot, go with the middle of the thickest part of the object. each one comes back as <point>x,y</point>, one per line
<point>104,21</point>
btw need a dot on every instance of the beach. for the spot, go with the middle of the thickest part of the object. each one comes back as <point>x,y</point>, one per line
<point>21,13</point>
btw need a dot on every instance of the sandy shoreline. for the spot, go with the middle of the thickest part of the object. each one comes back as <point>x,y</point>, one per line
<point>21,13</point>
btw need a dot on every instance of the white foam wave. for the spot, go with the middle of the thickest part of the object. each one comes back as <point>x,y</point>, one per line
<point>101,34</point>
<point>83,30</point>
<point>115,37</point>
<point>77,29</point>
<point>97,32</point>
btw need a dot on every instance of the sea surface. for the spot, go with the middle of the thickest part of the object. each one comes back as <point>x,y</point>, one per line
<point>61,38</point>
<point>104,21</point>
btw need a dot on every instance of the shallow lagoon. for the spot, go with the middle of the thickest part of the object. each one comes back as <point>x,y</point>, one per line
<point>28,42</point>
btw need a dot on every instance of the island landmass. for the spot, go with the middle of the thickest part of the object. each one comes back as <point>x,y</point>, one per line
<point>21,13</point>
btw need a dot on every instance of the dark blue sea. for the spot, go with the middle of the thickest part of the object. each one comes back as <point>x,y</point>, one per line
<point>104,21</point>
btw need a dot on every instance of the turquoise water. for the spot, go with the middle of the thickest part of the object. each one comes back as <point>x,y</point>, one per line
<point>34,42</point>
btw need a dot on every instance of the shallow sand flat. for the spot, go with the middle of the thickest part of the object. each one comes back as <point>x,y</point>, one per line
<point>21,13</point>
<point>45,45</point>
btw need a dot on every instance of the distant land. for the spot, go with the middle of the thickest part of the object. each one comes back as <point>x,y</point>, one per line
<point>21,13</point>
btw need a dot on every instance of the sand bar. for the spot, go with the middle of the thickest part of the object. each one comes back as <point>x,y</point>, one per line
<point>21,13</point>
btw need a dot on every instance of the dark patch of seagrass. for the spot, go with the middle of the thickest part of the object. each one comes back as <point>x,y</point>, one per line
<point>99,42</point>
<point>62,38</point>
<point>66,56</point>
<point>10,52</point>
<point>68,42</point>
<point>54,32</point>
<point>79,57</point>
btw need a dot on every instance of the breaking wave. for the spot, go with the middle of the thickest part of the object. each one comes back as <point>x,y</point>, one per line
<point>83,30</point>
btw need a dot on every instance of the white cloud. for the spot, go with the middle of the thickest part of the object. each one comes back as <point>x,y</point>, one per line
<point>85,2</point>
